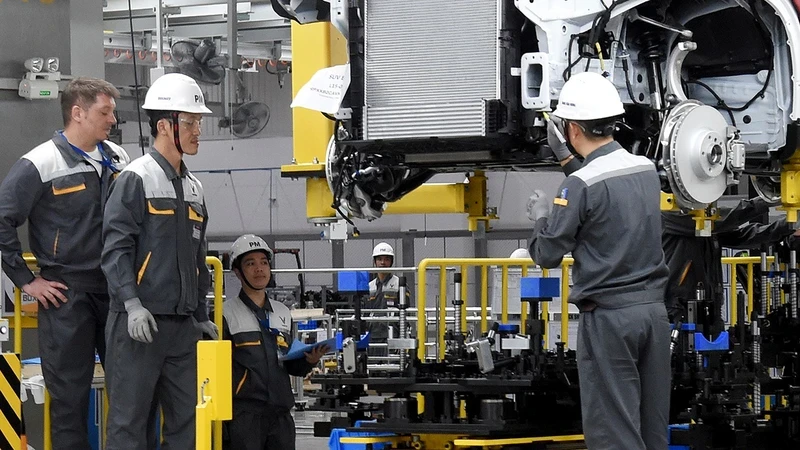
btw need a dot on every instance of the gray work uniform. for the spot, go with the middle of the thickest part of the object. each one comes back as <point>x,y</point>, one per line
<point>154,249</point>
<point>607,214</point>
<point>383,295</point>
<point>262,392</point>
<point>62,196</point>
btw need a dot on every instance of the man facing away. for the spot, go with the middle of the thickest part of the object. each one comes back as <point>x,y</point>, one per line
<point>607,213</point>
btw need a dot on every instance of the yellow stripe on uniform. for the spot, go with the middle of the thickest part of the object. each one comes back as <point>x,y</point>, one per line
<point>560,201</point>
<point>241,383</point>
<point>194,216</point>
<point>152,210</point>
<point>143,268</point>
<point>10,403</point>
<point>69,190</point>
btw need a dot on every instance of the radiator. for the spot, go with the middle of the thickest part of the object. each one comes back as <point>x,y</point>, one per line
<point>429,66</point>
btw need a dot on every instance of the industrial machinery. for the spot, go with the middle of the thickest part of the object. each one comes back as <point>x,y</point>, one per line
<point>740,388</point>
<point>732,388</point>
<point>501,384</point>
<point>711,91</point>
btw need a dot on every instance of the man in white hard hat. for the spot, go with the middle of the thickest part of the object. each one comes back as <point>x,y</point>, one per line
<point>384,291</point>
<point>60,188</point>
<point>260,330</point>
<point>607,214</point>
<point>154,258</point>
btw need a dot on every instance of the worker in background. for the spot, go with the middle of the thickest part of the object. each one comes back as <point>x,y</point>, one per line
<point>384,290</point>
<point>154,258</point>
<point>60,187</point>
<point>693,260</point>
<point>260,330</point>
<point>619,272</point>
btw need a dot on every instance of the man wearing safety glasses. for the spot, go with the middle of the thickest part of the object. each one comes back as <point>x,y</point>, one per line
<point>154,258</point>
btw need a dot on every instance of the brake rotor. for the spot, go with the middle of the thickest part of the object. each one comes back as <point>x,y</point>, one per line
<point>694,143</point>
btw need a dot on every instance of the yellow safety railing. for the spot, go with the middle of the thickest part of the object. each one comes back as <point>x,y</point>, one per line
<point>21,322</point>
<point>732,261</point>
<point>505,263</point>
<point>464,264</point>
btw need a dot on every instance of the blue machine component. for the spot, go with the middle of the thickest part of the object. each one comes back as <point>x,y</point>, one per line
<point>354,282</point>
<point>508,328</point>
<point>684,326</point>
<point>669,437</point>
<point>539,289</point>
<point>701,344</point>
<point>362,343</point>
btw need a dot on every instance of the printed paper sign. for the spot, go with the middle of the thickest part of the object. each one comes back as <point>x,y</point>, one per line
<point>325,91</point>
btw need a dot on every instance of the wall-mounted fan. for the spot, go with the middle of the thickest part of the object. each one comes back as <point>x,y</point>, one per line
<point>249,119</point>
<point>200,61</point>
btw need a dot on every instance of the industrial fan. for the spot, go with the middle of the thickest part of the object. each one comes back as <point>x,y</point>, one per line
<point>249,119</point>
<point>200,61</point>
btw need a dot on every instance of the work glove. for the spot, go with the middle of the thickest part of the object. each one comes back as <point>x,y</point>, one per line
<point>141,324</point>
<point>539,205</point>
<point>555,138</point>
<point>208,327</point>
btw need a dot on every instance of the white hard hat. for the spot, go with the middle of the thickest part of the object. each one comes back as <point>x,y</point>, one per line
<point>175,92</point>
<point>249,243</point>
<point>588,96</point>
<point>520,253</point>
<point>383,249</point>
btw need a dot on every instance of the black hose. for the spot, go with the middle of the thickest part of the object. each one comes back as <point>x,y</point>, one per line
<point>136,78</point>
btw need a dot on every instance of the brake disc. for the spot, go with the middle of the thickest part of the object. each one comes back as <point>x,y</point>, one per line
<point>694,147</point>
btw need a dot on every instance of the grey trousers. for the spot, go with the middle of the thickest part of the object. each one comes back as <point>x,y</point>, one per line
<point>68,338</point>
<point>140,376</point>
<point>624,372</point>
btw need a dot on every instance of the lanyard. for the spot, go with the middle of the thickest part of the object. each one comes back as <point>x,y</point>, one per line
<point>106,162</point>
<point>265,325</point>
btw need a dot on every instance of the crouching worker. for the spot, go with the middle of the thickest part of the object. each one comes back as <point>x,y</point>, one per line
<point>260,331</point>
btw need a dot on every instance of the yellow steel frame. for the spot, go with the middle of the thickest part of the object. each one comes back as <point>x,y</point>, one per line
<point>790,187</point>
<point>491,442</point>
<point>430,198</point>
<point>215,398</point>
<point>700,216</point>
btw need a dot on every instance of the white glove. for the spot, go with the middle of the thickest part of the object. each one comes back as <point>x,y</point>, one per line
<point>539,205</point>
<point>140,321</point>
<point>556,140</point>
<point>208,327</point>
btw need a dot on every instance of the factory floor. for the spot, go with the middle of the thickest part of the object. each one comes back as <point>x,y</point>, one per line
<point>304,424</point>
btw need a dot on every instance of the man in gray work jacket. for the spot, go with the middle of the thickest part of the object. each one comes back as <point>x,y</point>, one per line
<point>60,188</point>
<point>154,258</point>
<point>260,330</point>
<point>608,215</point>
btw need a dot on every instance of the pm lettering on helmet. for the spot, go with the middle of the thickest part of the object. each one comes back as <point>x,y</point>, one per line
<point>198,99</point>
<point>255,244</point>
